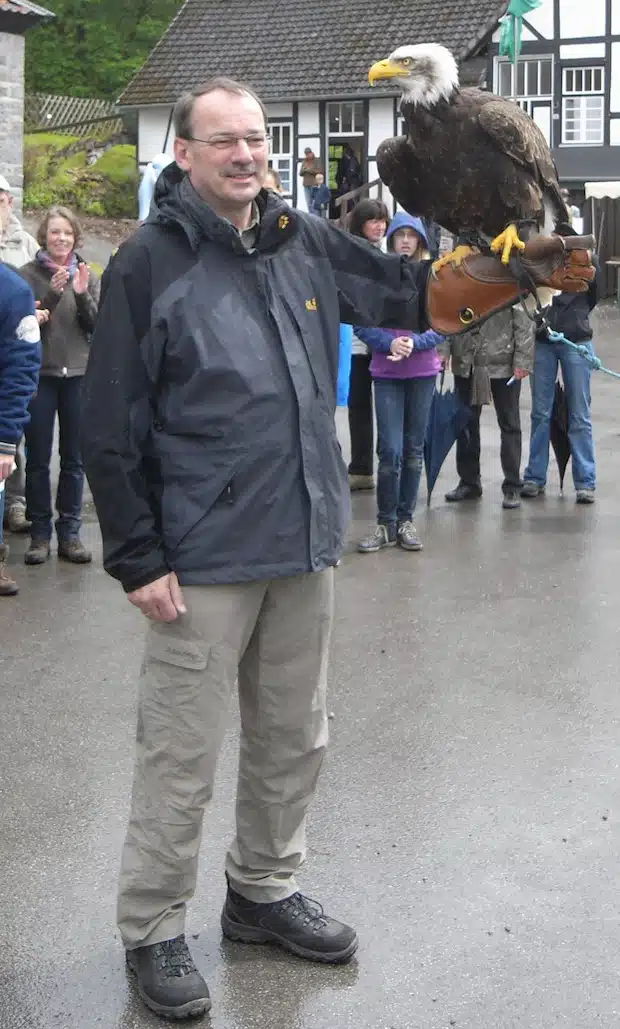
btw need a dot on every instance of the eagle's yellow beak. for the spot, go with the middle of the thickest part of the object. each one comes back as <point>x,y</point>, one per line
<point>385,70</point>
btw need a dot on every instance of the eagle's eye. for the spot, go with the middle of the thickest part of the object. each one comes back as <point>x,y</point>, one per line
<point>405,61</point>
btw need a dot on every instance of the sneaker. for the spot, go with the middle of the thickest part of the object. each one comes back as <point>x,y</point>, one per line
<point>168,980</point>
<point>38,551</point>
<point>585,496</point>
<point>463,492</point>
<point>8,586</point>
<point>361,482</point>
<point>15,519</point>
<point>383,536</point>
<point>530,489</point>
<point>512,499</point>
<point>297,924</point>
<point>408,537</point>
<point>74,550</point>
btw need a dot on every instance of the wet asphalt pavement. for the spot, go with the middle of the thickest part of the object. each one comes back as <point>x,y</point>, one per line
<point>467,818</point>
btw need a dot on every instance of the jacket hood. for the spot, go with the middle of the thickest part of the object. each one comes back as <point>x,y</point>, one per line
<point>402,220</point>
<point>278,221</point>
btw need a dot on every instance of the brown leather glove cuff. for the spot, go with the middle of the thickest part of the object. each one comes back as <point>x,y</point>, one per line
<point>459,296</point>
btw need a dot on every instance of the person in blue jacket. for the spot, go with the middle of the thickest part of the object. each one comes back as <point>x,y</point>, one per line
<point>20,358</point>
<point>320,197</point>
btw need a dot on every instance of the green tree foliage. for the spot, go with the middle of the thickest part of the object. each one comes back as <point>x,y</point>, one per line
<point>94,47</point>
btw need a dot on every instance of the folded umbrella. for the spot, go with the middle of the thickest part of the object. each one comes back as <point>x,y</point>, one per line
<point>558,430</point>
<point>448,417</point>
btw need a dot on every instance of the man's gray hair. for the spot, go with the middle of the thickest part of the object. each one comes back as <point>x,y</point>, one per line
<point>184,107</point>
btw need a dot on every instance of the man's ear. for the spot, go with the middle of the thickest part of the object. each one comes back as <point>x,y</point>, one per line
<point>181,153</point>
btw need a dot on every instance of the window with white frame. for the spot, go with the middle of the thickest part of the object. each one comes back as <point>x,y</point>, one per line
<point>583,106</point>
<point>281,155</point>
<point>345,118</point>
<point>534,80</point>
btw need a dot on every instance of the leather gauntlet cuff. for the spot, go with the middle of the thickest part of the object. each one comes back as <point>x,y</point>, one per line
<point>459,295</point>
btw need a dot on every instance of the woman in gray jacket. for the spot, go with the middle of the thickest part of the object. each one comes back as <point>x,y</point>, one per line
<point>63,285</point>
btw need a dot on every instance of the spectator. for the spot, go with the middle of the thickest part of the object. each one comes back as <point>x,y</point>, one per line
<point>348,171</point>
<point>404,367</point>
<point>368,220</point>
<point>320,198</point>
<point>484,361</point>
<point>309,169</point>
<point>273,181</point>
<point>569,314</point>
<point>17,247</point>
<point>62,283</point>
<point>147,186</point>
<point>573,210</point>
<point>19,367</point>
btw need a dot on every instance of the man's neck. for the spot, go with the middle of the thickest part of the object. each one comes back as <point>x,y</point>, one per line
<point>240,217</point>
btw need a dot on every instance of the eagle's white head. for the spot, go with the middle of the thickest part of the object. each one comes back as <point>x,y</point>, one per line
<point>426,73</point>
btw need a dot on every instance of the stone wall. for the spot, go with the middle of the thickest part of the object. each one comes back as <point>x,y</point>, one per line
<point>12,112</point>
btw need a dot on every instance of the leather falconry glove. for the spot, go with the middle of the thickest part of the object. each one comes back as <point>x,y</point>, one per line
<point>464,293</point>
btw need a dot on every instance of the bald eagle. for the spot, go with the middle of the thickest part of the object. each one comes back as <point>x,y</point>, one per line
<point>472,161</point>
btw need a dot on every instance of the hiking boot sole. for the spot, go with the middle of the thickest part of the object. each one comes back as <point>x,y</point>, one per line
<point>32,560</point>
<point>193,1008</point>
<point>253,934</point>
<point>410,546</point>
<point>9,591</point>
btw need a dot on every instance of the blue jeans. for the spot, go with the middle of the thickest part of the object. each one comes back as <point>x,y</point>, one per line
<point>403,407</point>
<point>308,193</point>
<point>576,377</point>
<point>62,396</point>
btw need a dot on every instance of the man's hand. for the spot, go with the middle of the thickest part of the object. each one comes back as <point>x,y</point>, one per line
<point>7,464</point>
<point>161,600</point>
<point>59,280</point>
<point>80,279</point>
<point>520,373</point>
<point>400,347</point>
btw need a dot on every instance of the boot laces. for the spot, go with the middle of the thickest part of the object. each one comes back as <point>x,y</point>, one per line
<point>309,911</point>
<point>174,958</point>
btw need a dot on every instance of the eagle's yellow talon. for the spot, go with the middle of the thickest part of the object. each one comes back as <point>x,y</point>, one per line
<point>455,257</point>
<point>507,241</point>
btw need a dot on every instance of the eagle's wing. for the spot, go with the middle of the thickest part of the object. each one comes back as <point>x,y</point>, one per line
<point>517,136</point>
<point>397,164</point>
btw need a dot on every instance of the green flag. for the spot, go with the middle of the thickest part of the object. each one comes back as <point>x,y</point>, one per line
<point>510,32</point>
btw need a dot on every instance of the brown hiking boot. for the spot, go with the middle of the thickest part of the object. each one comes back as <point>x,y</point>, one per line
<point>15,519</point>
<point>38,551</point>
<point>8,586</point>
<point>74,550</point>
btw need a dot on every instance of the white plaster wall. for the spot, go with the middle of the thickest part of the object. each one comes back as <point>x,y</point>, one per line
<point>580,51</point>
<point>387,197</point>
<point>615,18</point>
<point>578,18</point>
<point>275,111</point>
<point>614,100</point>
<point>380,123</point>
<point>614,132</point>
<point>308,120</point>
<point>542,19</point>
<point>152,125</point>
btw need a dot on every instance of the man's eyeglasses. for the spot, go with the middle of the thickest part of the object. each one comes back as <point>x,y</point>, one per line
<point>254,140</point>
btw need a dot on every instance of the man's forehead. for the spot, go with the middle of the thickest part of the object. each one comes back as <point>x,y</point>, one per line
<point>221,111</point>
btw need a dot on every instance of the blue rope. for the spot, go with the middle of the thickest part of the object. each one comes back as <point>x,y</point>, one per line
<point>594,361</point>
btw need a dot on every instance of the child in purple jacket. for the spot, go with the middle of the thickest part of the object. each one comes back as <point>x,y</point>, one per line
<point>404,367</point>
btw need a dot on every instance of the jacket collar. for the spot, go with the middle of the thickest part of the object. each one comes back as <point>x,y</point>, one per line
<point>176,202</point>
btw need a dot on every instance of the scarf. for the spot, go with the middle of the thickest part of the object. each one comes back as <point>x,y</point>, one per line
<point>51,265</point>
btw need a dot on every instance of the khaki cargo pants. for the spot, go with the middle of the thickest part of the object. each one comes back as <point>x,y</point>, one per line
<point>273,638</point>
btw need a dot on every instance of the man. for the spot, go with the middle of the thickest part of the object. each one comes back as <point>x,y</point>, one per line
<point>20,357</point>
<point>488,363</point>
<point>309,169</point>
<point>573,210</point>
<point>210,447</point>
<point>17,247</point>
